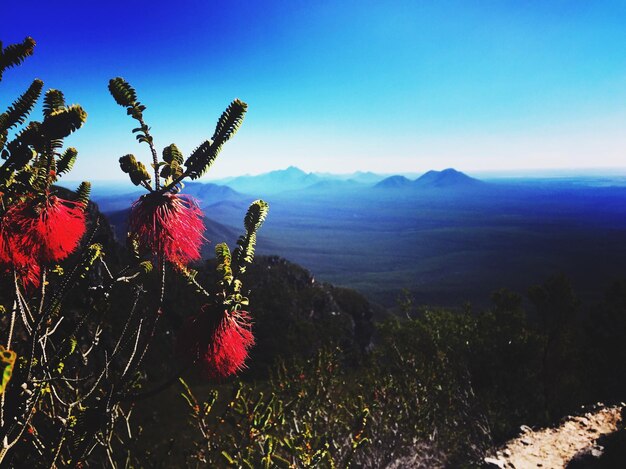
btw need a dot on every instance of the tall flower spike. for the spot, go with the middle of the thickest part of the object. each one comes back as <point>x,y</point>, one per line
<point>218,342</point>
<point>168,224</point>
<point>46,232</point>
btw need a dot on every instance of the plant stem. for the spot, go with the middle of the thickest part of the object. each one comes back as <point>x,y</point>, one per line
<point>155,158</point>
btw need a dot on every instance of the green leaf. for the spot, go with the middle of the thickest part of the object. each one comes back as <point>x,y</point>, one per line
<point>257,212</point>
<point>122,92</point>
<point>18,111</point>
<point>229,122</point>
<point>61,123</point>
<point>66,162</point>
<point>228,457</point>
<point>52,102</point>
<point>15,54</point>
<point>171,154</point>
<point>83,192</point>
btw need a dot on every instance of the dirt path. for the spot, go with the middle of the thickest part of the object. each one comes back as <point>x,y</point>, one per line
<point>555,447</point>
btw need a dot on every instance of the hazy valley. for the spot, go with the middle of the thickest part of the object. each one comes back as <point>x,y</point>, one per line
<point>446,237</point>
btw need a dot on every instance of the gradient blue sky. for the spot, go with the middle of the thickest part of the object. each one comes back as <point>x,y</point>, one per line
<point>340,85</point>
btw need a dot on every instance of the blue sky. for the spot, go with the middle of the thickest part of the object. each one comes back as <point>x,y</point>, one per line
<point>340,86</point>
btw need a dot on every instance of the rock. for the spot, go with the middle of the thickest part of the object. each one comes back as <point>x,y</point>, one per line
<point>597,451</point>
<point>525,429</point>
<point>495,462</point>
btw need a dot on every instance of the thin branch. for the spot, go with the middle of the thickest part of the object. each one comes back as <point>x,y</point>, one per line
<point>132,355</point>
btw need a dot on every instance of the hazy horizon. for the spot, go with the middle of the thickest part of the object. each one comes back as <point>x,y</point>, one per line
<point>528,173</point>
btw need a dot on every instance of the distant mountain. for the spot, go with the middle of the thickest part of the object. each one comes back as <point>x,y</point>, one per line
<point>208,193</point>
<point>364,177</point>
<point>334,185</point>
<point>274,182</point>
<point>115,201</point>
<point>395,182</point>
<point>446,178</point>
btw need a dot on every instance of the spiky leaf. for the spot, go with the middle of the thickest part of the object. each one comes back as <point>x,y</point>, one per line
<point>122,92</point>
<point>16,113</point>
<point>257,212</point>
<point>66,162</point>
<point>18,159</point>
<point>52,102</point>
<point>244,254</point>
<point>128,163</point>
<point>146,266</point>
<point>15,54</point>
<point>135,169</point>
<point>83,192</point>
<point>61,123</point>
<point>171,153</point>
<point>229,122</point>
<point>222,253</point>
<point>201,159</point>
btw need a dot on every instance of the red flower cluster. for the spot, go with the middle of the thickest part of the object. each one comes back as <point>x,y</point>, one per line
<point>33,233</point>
<point>168,224</point>
<point>217,341</point>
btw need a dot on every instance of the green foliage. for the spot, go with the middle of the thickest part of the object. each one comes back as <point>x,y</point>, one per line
<point>229,275</point>
<point>146,266</point>
<point>17,113</point>
<point>53,102</point>
<point>66,161</point>
<point>173,159</point>
<point>126,96</point>
<point>122,92</point>
<point>222,254</point>
<point>15,54</point>
<point>171,167</point>
<point>229,122</point>
<point>305,421</point>
<point>135,169</point>
<point>244,253</point>
<point>32,158</point>
<point>256,215</point>
<point>83,192</point>
<point>62,122</point>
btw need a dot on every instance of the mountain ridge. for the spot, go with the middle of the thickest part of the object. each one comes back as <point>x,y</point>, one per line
<point>447,178</point>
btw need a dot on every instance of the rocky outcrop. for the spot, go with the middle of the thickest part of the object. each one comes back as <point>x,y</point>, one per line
<point>576,443</point>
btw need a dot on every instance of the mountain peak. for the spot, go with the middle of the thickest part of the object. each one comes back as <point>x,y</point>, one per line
<point>449,177</point>
<point>281,180</point>
<point>394,182</point>
<point>290,170</point>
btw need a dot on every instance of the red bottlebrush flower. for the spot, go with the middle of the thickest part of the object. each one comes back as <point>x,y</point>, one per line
<point>218,341</point>
<point>45,232</point>
<point>5,256</point>
<point>168,224</point>
<point>27,269</point>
